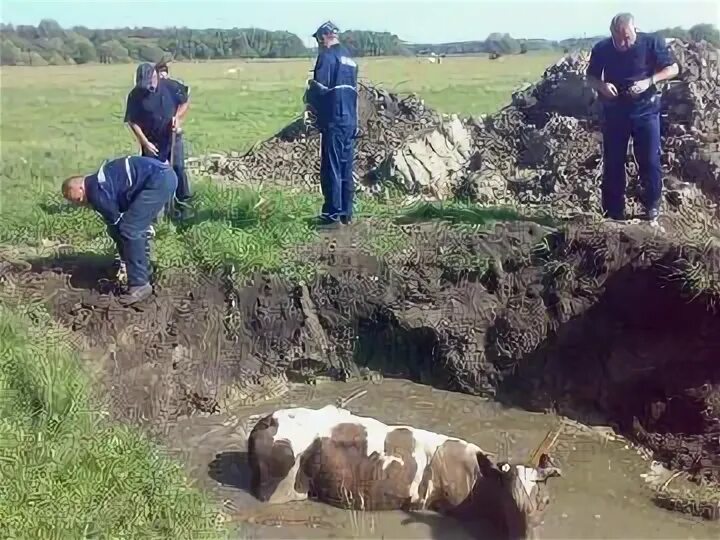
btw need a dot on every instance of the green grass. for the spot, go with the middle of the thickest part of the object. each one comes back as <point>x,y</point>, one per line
<point>66,473</point>
<point>63,120</point>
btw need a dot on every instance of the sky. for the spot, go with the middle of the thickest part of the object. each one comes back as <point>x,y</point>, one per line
<point>416,21</point>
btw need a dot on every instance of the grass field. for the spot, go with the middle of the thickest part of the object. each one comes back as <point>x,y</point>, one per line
<point>62,120</point>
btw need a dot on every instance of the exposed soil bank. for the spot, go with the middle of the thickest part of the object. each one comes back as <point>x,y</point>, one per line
<point>582,320</point>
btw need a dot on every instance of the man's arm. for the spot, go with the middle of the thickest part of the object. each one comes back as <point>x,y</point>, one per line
<point>323,71</point>
<point>181,96</point>
<point>101,202</point>
<point>131,120</point>
<point>321,81</point>
<point>595,68</point>
<point>595,72</point>
<point>664,60</point>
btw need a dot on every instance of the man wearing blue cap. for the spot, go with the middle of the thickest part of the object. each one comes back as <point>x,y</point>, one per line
<point>333,96</point>
<point>155,110</point>
<point>128,193</point>
<point>624,70</point>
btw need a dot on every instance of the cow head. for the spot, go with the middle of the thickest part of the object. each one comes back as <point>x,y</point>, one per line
<point>521,492</point>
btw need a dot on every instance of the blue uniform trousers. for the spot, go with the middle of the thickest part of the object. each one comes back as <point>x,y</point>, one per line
<point>336,172</point>
<point>182,193</point>
<point>642,123</point>
<point>131,233</point>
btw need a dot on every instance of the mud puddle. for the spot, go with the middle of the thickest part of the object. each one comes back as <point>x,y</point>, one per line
<point>601,496</point>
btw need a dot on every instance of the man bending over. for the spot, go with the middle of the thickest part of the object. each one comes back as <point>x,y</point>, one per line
<point>128,193</point>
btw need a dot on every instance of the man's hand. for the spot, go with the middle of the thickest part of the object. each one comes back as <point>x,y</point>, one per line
<point>607,89</point>
<point>640,86</point>
<point>150,147</point>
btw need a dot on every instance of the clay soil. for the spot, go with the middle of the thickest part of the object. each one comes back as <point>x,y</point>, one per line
<point>586,320</point>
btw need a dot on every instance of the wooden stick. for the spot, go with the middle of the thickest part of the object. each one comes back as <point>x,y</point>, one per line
<point>546,444</point>
<point>171,206</point>
<point>341,403</point>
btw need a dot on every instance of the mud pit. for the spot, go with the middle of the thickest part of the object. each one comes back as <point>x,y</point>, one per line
<point>581,320</point>
<point>602,495</point>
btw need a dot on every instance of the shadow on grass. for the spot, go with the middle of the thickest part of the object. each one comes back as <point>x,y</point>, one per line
<point>467,215</point>
<point>85,269</point>
<point>231,469</point>
<point>55,208</point>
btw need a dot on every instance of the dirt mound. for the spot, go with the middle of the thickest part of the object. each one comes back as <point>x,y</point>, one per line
<point>292,156</point>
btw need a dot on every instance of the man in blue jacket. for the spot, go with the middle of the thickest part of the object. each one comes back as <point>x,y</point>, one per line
<point>624,70</point>
<point>155,110</point>
<point>128,193</point>
<point>333,96</point>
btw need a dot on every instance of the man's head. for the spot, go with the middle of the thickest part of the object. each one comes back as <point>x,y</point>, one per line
<point>327,34</point>
<point>73,189</point>
<point>622,29</point>
<point>146,77</point>
<point>162,69</point>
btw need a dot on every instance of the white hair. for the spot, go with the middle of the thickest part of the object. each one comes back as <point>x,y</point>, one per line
<point>620,20</point>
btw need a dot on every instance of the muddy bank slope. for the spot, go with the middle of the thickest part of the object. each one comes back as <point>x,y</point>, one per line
<point>590,320</point>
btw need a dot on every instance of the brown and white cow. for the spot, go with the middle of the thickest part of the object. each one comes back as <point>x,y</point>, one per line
<point>360,463</point>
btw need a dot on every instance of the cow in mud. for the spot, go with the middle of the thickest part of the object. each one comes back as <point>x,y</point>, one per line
<point>360,463</point>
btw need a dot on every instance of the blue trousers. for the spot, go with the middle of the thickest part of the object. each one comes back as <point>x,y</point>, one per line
<point>131,233</point>
<point>643,125</point>
<point>336,172</point>
<point>182,193</point>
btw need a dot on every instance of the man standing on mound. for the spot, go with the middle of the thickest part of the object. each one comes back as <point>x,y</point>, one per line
<point>624,70</point>
<point>128,193</point>
<point>332,94</point>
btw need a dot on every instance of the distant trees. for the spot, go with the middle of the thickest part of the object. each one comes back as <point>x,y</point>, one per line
<point>48,43</point>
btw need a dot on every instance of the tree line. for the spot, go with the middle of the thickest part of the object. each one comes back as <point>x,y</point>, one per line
<point>50,44</point>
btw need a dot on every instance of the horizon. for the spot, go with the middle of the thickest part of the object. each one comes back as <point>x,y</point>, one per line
<point>515,17</point>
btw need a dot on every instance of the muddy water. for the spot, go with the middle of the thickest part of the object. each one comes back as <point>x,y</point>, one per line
<point>601,495</point>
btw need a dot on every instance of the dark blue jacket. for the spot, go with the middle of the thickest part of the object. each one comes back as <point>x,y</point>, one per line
<point>647,56</point>
<point>115,185</point>
<point>333,91</point>
<point>154,111</point>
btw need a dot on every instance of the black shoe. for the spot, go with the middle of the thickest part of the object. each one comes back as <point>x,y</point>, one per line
<point>616,216</point>
<point>326,223</point>
<point>182,209</point>
<point>345,220</point>
<point>135,294</point>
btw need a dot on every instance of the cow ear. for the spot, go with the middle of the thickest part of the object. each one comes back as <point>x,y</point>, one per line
<point>547,468</point>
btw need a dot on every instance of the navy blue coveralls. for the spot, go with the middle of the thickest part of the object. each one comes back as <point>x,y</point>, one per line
<point>153,112</point>
<point>333,94</point>
<point>626,116</point>
<point>129,193</point>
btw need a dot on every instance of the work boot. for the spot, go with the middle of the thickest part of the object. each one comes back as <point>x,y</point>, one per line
<point>182,210</point>
<point>615,216</point>
<point>135,294</point>
<point>326,223</point>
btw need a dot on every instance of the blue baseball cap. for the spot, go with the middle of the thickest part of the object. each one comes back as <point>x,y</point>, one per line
<point>144,75</point>
<point>326,28</point>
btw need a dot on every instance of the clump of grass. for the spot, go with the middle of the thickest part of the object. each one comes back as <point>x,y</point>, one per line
<point>65,472</point>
